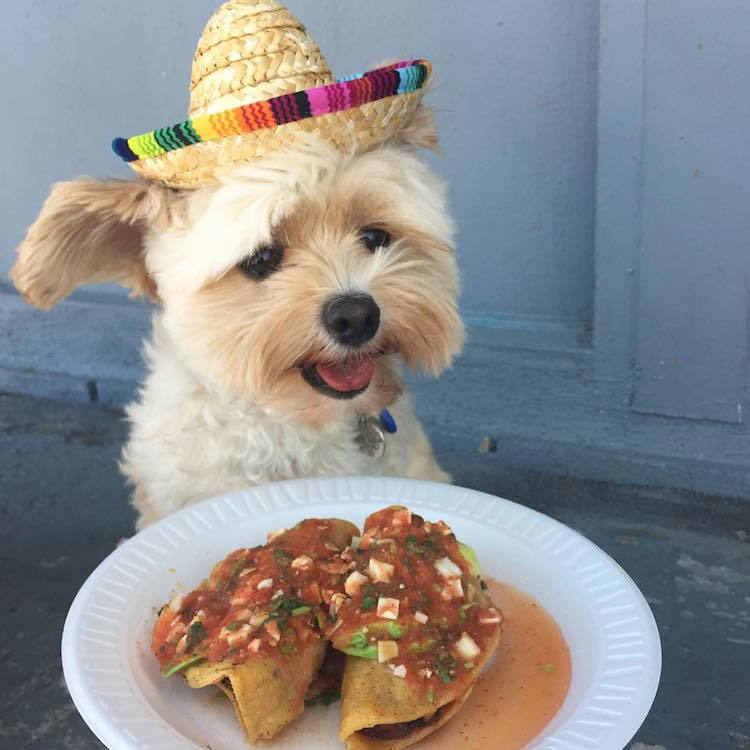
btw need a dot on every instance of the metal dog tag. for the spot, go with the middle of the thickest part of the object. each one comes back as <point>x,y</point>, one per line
<point>370,439</point>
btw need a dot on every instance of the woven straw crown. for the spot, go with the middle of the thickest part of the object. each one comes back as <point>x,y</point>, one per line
<point>258,79</point>
<point>250,51</point>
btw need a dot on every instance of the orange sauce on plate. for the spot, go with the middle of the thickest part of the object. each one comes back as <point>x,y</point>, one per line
<point>519,694</point>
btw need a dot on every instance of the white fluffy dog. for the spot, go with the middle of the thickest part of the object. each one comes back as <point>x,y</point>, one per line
<point>288,293</point>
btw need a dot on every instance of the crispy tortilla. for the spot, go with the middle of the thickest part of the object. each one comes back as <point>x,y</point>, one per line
<point>383,710</point>
<point>380,711</point>
<point>266,695</point>
<point>269,691</point>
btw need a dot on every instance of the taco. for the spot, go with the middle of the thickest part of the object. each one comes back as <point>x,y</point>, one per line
<point>417,629</point>
<point>257,626</point>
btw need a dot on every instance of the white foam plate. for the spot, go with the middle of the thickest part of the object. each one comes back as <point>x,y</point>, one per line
<point>114,679</point>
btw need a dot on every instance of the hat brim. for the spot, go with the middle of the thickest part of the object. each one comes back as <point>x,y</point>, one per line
<point>358,112</point>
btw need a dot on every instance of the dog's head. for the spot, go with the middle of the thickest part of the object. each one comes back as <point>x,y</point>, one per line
<point>296,282</point>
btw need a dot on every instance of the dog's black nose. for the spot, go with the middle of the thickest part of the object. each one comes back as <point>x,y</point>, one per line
<point>352,320</point>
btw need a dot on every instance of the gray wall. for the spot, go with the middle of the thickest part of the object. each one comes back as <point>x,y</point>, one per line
<point>599,165</point>
<point>515,89</point>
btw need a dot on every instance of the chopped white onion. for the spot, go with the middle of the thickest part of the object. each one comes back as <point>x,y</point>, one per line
<point>447,568</point>
<point>380,571</point>
<point>399,671</point>
<point>354,582</point>
<point>302,562</point>
<point>388,608</point>
<point>466,647</point>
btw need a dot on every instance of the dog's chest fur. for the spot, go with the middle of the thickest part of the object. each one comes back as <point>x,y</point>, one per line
<point>189,442</point>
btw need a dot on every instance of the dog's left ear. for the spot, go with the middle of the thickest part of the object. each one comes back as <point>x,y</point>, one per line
<point>90,231</point>
<point>421,132</point>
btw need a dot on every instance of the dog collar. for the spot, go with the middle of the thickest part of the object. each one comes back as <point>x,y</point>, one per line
<point>371,432</point>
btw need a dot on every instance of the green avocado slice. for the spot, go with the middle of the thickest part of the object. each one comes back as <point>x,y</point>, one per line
<point>364,652</point>
<point>471,557</point>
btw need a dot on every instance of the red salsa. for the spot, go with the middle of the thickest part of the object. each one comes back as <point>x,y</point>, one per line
<point>268,601</point>
<point>414,602</point>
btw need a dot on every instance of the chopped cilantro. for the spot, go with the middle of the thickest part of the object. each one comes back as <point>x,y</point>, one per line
<point>547,668</point>
<point>287,605</point>
<point>416,549</point>
<point>195,636</point>
<point>445,666</point>
<point>287,648</point>
<point>418,648</point>
<point>237,567</point>
<point>368,602</point>
<point>468,665</point>
<point>431,695</point>
<point>234,625</point>
<point>426,548</point>
<point>283,558</point>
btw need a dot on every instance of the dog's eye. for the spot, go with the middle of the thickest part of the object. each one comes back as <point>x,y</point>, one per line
<point>374,239</point>
<point>262,263</point>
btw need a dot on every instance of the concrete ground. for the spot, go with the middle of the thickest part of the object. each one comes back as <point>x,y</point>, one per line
<point>63,507</point>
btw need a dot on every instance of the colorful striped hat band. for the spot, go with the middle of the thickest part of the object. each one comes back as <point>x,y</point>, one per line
<point>400,78</point>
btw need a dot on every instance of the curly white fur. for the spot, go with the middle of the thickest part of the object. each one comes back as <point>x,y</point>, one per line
<point>188,443</point>
<point>224,404</point>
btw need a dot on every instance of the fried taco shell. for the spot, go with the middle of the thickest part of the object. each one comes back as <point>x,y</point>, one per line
<point>266,695</point>
<point>382,712</point>
<point>418,631</point>
<point>256,627</point>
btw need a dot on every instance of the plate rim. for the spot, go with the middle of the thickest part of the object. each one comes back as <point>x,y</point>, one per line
<point>107,732</point>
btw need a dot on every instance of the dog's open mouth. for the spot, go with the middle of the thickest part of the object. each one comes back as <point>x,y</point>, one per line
<point>345,379</point>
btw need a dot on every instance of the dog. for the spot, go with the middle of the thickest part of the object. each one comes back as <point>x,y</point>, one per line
<point>288,294</point>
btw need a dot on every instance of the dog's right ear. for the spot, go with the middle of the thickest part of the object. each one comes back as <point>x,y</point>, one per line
<point>90,231</point>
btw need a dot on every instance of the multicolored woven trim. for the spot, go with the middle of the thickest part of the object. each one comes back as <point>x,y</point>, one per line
<point>347,93</point>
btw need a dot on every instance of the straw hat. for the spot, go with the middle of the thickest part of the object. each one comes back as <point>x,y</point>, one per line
<point>259,79</point>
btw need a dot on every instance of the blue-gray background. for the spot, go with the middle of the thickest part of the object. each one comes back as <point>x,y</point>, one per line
<point>598,159</point>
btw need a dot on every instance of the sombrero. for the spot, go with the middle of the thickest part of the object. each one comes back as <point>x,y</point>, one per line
<point>258,80</point>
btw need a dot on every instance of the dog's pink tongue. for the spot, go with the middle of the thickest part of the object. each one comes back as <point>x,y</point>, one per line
<point>350,375</point>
